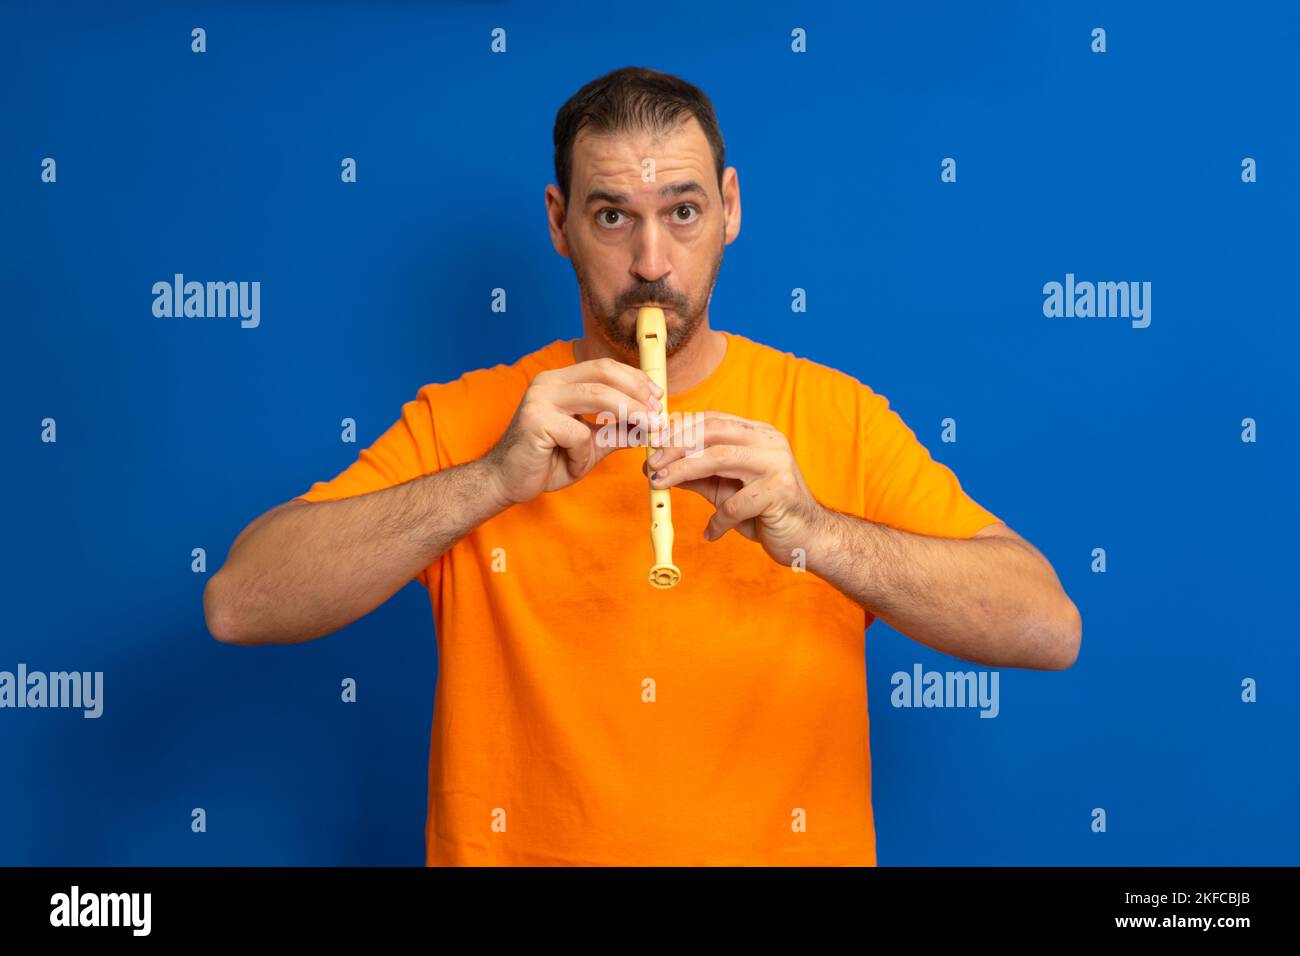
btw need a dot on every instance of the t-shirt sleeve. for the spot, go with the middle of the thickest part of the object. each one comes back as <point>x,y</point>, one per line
<point>405,451</point>
<point>905,487</point>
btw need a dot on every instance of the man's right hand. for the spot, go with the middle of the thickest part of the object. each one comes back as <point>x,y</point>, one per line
<point>547,445</point>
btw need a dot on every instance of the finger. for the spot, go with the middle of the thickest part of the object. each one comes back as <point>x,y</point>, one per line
<point>714,490</point>
<point>703,422</point>
<point>633,432</point>
<point>685,437</point>
<point>740,510</point>
<point>577,398</point>
<point>726,461</point>
<point>575,438</point>
<point>609,371</point>
<point>602,442</point>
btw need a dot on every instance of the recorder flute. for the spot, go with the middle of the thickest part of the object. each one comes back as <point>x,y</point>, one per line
<point>651,333</point>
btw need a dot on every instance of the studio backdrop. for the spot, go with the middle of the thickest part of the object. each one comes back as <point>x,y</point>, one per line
<point>1060,238</point>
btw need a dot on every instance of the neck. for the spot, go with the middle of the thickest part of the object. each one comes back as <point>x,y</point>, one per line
<point>691,364</point>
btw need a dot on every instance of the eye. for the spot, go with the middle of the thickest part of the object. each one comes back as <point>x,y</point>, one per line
<point>602,217</point>
<point>689,207</point>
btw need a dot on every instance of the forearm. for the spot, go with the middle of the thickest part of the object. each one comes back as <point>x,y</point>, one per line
<point>304,570</point>
<point>992,601</point>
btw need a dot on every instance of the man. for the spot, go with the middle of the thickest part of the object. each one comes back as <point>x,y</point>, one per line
<point>581,716</point>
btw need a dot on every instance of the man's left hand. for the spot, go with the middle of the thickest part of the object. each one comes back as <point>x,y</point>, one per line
<point>748,472</point>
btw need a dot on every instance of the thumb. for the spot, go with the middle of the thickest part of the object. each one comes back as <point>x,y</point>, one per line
<point>712,489</point>
<point>585,456</point>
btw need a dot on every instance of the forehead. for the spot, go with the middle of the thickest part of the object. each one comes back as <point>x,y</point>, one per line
<point>618,158</point>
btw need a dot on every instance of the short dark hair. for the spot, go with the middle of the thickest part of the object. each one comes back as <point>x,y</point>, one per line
<point>633,98</point>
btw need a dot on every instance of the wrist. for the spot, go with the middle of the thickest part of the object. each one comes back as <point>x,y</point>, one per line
<point>487,476</point>
<point>827,540</point>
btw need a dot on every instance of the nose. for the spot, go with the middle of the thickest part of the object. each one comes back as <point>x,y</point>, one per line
<point>650,258</point>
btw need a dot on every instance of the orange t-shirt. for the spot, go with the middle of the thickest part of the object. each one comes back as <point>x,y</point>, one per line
<point>582,717</point>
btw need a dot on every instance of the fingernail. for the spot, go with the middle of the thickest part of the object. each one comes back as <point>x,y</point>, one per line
<point>655,387</point>
<point>655,458</point>
<point>655,403</point>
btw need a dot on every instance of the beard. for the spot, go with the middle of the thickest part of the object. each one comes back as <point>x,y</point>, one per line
<point>619,328</point>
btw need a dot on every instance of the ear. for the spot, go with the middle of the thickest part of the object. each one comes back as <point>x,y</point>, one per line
<point>731,203</point>
<point>555,219</point>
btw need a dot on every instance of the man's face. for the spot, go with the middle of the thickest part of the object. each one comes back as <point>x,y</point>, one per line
<point>645,225</point>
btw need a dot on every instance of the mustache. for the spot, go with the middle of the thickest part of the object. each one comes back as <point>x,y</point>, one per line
<point>652,293</point>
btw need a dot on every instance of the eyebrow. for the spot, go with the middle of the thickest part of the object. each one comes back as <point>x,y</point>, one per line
<point>672,189</point>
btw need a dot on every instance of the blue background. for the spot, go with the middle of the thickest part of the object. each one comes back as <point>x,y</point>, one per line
<point>1080,433</point>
